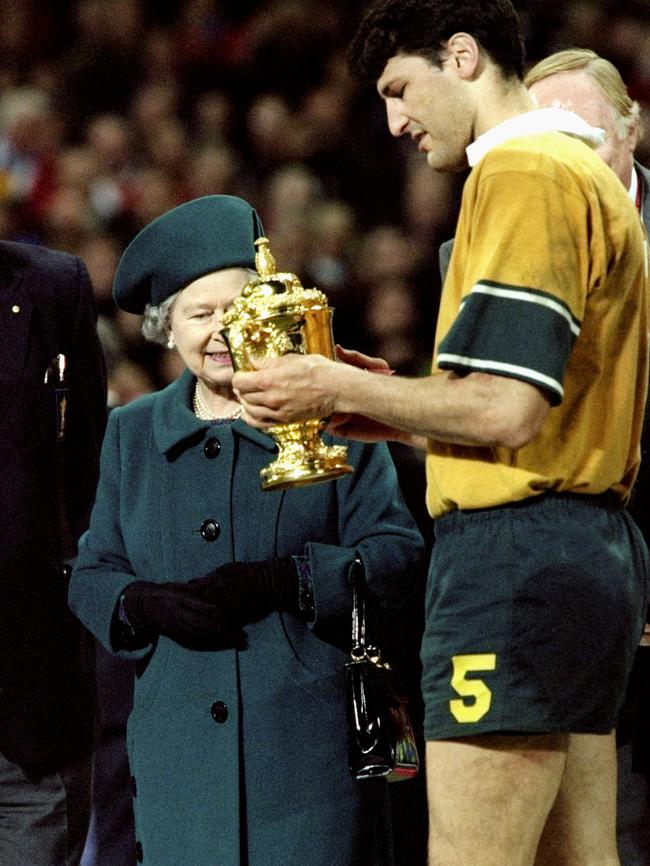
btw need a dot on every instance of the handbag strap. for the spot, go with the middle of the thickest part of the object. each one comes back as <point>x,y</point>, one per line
<point>359,645</point>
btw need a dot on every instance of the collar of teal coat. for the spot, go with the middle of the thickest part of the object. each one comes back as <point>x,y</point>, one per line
<point>174,421</point>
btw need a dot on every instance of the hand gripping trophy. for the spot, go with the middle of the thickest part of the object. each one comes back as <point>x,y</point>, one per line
<point>273,316</point>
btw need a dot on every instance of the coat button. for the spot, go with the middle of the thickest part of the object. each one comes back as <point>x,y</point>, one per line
<point>210,530</point>
<point>139,854</point>
<point>219,712</point>
<point>212,447</point>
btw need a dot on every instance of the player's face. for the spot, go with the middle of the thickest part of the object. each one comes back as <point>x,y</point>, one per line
<point>431,104</point>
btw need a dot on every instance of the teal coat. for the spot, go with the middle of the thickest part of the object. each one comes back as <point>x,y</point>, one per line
<point>239,756</point>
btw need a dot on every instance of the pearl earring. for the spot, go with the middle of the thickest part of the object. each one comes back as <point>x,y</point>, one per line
<point>170,343</point>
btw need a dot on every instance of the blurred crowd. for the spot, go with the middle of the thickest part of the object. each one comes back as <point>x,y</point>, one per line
<point>114,111</point>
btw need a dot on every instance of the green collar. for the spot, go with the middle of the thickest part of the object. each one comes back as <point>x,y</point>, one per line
<point>174,421</point>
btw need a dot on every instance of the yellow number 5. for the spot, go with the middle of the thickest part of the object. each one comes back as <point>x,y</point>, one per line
<point>471,688</point>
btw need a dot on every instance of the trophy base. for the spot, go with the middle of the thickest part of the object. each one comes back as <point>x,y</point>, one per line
<point>303,458</point>
<point>277,478</point>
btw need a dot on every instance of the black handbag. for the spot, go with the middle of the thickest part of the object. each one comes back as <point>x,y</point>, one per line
<point>381,734</point>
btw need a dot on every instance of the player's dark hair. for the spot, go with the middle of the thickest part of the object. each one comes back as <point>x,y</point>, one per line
<point>422,27</point>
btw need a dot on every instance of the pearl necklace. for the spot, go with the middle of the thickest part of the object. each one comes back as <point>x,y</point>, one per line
<point>203,412</point>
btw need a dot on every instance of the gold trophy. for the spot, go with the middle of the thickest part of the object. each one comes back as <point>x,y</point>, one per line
<point>273,316</point>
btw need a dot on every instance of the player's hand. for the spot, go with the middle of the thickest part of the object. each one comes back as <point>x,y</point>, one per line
<point>287,389</point>
<point>364,362</point>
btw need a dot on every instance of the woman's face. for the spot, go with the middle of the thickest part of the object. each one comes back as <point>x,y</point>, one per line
<point>195,322</point>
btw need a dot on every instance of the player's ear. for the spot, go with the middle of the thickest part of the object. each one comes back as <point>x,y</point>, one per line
<point>464,54</point>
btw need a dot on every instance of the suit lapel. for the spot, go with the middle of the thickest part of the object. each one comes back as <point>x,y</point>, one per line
<point>644,179</point>
<point>15,321</point>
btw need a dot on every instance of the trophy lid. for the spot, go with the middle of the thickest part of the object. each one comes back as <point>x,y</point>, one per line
<point>274,293</point>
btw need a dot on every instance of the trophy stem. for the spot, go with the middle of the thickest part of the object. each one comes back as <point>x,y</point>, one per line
<point>303,458</point>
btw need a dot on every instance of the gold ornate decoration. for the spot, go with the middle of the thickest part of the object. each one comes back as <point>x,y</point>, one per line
<point>273,316</point>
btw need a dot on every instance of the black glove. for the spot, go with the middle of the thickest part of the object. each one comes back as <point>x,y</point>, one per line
<point>174,610</point>
<point>251,589</point>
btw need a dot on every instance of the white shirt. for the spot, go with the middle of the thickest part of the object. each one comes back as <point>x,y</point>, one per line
<point>533,122</point>
<point>634,186</point>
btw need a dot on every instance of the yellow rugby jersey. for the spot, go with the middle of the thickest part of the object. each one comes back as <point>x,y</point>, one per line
<point>547,284</point>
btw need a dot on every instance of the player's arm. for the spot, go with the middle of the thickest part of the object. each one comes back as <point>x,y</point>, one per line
<point>475,409</point>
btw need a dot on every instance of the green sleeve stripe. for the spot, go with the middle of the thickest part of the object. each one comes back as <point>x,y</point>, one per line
<point>533,296</point>
<point>514,371</point>
<point>502,331</point>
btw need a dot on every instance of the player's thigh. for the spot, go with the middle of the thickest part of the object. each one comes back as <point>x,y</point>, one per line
<point>581,828</point>
<point>490,795</point>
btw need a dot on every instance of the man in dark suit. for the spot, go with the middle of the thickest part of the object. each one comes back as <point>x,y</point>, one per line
<point>52,417</point>
<point>583,82</point>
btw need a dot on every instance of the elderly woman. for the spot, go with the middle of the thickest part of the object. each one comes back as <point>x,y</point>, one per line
<point>234,603</point>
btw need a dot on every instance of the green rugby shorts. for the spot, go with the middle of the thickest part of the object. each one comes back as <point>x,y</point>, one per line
<point>533,614</point>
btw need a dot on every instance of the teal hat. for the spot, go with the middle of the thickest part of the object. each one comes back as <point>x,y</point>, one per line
<point>189,241</point>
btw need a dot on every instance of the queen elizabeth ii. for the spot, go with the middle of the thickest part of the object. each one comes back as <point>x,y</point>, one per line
<point>233,603</point>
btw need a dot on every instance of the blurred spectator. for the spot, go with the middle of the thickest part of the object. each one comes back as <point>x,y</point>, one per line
<point>391,326</point>
<point>429,203</point>
<point>102,67</point>
<point>207,44</point>
<point>101,253</point>
<point>333,236</point>
<point>289,43</point>
<point>160,62</point>
<point>127,381</point>
<point>211,116</point>
<point>286,200</point>
<point>68,219</point>
<point>153,191</point>
<point>167,148</point>
<point>29,139</point>
<point>110,138</point>
<point>387,251</point>
<point>212,169</point>
<point>170,368</point>
<point>269,131</point>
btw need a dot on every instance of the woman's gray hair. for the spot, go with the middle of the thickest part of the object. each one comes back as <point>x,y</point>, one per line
<point>156,319</point>
<point>155,322</point>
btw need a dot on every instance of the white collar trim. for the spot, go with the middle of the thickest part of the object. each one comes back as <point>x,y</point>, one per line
<point>531,123</point>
